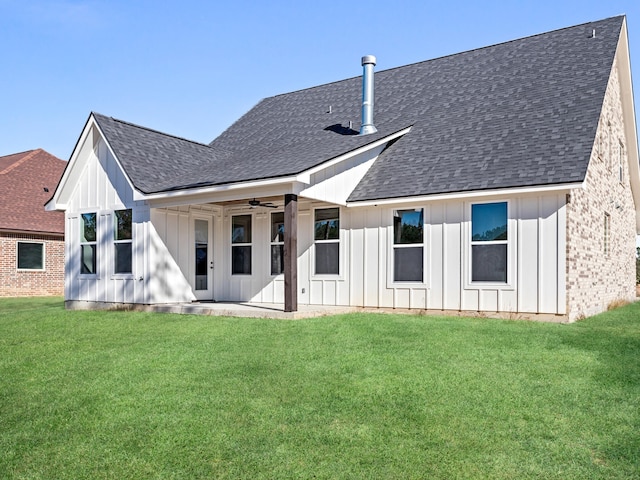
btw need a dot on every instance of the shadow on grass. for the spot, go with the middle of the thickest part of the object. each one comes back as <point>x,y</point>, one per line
<point>613,339</point>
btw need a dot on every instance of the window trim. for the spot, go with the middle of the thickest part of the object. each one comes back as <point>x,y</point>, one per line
<point>394,246</point>
<point>510,242</point>
<point>98,214</point>
<point>114,241</point>
<point>44,256</point>
<point>273,243</point>
<point>338,241</point>
<point>242,244</point>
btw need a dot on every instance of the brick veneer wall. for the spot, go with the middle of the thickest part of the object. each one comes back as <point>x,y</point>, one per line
<point>596,279</point>
<point>17,283</point>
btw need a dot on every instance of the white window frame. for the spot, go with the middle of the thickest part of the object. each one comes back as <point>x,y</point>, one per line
<point>114,226</point>
<point>44,256</point>
<point>94,242</point>
<point>338,241</point>
<point>273,243</point>
<point>394,246</point>
<point>510,242</point>
<point>242,244</point>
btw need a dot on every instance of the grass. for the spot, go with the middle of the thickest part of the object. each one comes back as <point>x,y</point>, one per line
<point>123,395</point>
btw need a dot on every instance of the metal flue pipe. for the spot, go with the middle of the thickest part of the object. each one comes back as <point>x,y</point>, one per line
<point>367,127</point>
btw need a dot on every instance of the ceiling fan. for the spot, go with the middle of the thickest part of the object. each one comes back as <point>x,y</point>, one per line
<point>257,203</point>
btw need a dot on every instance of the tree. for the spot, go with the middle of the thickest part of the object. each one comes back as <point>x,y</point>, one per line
<point>637,264</point>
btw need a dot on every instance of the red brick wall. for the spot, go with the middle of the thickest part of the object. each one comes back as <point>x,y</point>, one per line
<point>18,283</point>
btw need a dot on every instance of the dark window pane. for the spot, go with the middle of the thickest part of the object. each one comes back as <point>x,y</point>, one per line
<point>88,264</point>
<point>88,231</point>
<point>201,258</point>
<point>123,258</point>
<point>408,264</point>
<point>30,256</point>
<point>408,226</point>
<point>327,258</point>
<point>241,260</point>
<point>489,263</point>
<point>489,221</point>
<point>277,259</point>
<point>327,224</point>
<point>277,227</point>
<point>123,224</point>
<point>241,229</point>
<point>201,266</point>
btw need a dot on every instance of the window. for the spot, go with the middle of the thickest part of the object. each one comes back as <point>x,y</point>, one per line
<point>489,242</point>
<point>201,233</point>
<point>607,234</point>
<point>277,243</point>
<point>241,245</point>
<point>122,239</point>
<point>408,243</point>
<point>88,227</point>
<point>30,256</point>
<point>327,240</point>
<point>620,162</point>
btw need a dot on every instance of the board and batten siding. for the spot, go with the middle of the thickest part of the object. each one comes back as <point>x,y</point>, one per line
<point>170,249</point>
<point>102,188</point>
<point>536,263</point>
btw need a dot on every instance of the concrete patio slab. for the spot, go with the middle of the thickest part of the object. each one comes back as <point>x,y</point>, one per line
<point>253,310</point>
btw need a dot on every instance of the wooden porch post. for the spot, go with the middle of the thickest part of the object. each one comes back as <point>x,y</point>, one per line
<point>290,252</point>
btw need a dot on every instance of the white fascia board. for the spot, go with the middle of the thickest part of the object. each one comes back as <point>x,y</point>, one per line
<point>466,195</point>
<point>305,177</point>
<point>629,117</point>
<point>221,193</point>
<point>291,184</point>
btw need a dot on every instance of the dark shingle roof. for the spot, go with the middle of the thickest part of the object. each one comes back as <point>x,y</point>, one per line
<point>521,113</point>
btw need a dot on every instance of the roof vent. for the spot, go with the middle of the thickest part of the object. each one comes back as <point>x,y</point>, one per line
<point>367,126</point>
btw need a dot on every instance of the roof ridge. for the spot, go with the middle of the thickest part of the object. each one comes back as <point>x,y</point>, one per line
<point>506,42</point>
<point>150,129</point>
<point>17,153</point>
<point>30,155</point>
<point>450,55</point>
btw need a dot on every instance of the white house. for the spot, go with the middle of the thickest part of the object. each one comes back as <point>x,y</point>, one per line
<point>500,180</point>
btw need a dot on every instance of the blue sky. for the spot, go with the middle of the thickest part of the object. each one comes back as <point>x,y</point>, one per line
<point>191,68</point>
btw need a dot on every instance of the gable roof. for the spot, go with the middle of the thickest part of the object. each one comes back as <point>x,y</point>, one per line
<point>23,179</point>
<point>518,114</point>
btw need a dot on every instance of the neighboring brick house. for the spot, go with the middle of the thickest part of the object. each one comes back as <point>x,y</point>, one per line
<point>502,181</point>
<point>31,239</point>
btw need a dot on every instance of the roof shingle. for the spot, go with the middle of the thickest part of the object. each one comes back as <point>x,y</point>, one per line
<point>516,114</point>
<point>23,180</point>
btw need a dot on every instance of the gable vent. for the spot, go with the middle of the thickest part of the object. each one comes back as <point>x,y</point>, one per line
<point>367,127</point>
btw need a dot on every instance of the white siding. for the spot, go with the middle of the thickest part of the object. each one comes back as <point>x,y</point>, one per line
<point>101,188</point>
<point>168,248</point>
<point>536,260</point>
<point>164,268</point>
<point>335,183</point>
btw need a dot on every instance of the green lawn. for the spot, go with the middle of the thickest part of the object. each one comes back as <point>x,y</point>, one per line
<point>136,395</point>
